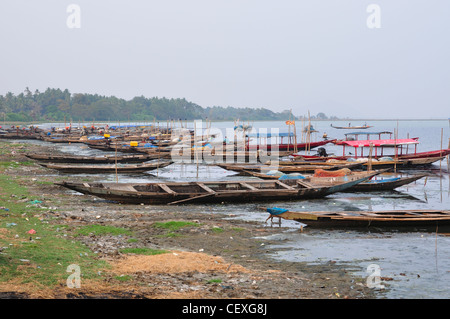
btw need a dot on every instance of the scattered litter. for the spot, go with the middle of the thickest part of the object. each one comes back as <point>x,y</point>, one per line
<point>11,224</point>
<point>31,231</point>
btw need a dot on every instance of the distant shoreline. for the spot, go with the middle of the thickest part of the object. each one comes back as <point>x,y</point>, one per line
<point>150,122</point>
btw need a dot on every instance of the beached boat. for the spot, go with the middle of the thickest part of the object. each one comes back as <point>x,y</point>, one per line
<point>402,152</point>
<point>388,162</point>
<point>339,219</point>
<point>74,159</point>
<point>374,184</point>
<point>62,139</point>
<point>20,135</point>
<point>385,184</point>
<point>264,141</point>
<point>222,191</point>
<point>125,148</point>
<point>229,156</point>
<point>109,168</point>
<point>308,168</point>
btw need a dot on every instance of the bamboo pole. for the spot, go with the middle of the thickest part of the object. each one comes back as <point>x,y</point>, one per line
<point>115,160</point>
<point>295,138</point>
<point>196,146</point>
<point>440,155</point>
<point>396,151</point>
<point>289,131</point>
<point>369,166</point>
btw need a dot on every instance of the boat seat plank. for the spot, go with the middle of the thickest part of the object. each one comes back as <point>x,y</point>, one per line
<point>167,189</point>
<point>304,184</point>
<point>284,185</point>
<point>206,188</point>
<point>248,186</point>
<point>129,188</point>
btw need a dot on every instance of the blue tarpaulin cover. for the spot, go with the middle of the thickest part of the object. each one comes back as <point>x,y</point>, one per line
<point>276,210</point>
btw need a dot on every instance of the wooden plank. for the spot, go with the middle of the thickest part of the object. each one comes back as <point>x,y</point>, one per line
<point>206,188</point>
<point>304,184</point>
<point>296,215</point>
<point>284,185</point>
<point>167,189</point>
<point>248,186</point>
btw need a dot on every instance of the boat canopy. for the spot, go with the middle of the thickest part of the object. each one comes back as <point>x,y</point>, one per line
<point>379,143</point>
<point>368,133</point>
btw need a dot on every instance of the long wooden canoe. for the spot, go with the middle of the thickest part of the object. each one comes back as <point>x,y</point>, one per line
<point>391,218</point>
<point>308,168</point>
<point>361,127</point>
<point>195,192</point>
<point>109,168</point>
<point>367,186</point>
<point>385,184</point>
<point>137,158</point>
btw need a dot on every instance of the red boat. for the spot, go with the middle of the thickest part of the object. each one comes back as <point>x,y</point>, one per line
<point>282,146</point>
<point>378,150</point>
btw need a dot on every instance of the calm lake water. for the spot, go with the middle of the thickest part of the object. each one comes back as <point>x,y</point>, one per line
<point>417,260</point>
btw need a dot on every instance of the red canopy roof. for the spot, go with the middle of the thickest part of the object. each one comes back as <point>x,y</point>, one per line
<point>379,143</point>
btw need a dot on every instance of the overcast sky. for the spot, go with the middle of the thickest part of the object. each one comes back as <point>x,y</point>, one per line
<point>316,55</point>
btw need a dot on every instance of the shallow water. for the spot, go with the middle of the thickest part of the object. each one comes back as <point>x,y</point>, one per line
<point>417,260</point>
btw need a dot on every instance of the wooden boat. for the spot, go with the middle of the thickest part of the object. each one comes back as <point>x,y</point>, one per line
<point>121,148</point>
<point>398,144</point>
<point>195,192</point>
<point>387,184</point>
<point>62,139</point>
<point>138,158</point>
<point>392,218</point>
<point>403,161</point>
<point>232,157</point>
<point>280,144</point>
<point>289,146</point>
<point>27,135</point>
<point>393,163</point>
<point>110,168</point>
<point>310,168</point>
<point>384,184</point>
<point>361,127</point>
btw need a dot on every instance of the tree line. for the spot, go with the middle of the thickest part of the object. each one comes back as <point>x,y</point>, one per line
<point>60,105</point>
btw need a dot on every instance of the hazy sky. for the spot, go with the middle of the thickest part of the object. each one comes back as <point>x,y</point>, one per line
<point>316,55</point>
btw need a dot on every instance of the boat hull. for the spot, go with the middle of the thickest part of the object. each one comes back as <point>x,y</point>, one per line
<point>384,219</point>
<point>208,192</point>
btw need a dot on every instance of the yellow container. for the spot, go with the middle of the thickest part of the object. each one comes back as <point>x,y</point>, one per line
<point>133,143</point>
<point>106,135</point>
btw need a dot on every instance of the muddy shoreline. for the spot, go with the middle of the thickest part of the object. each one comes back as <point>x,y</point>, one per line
<point>232,257</point>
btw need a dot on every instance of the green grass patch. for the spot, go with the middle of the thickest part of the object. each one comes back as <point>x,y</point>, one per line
<point>143,251</point>
<point>214,281</point>
<point>14,164</point>
<point>41,258</point>
<point>99,230</point>
<point>123,278</point>
<point>217,230</point>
